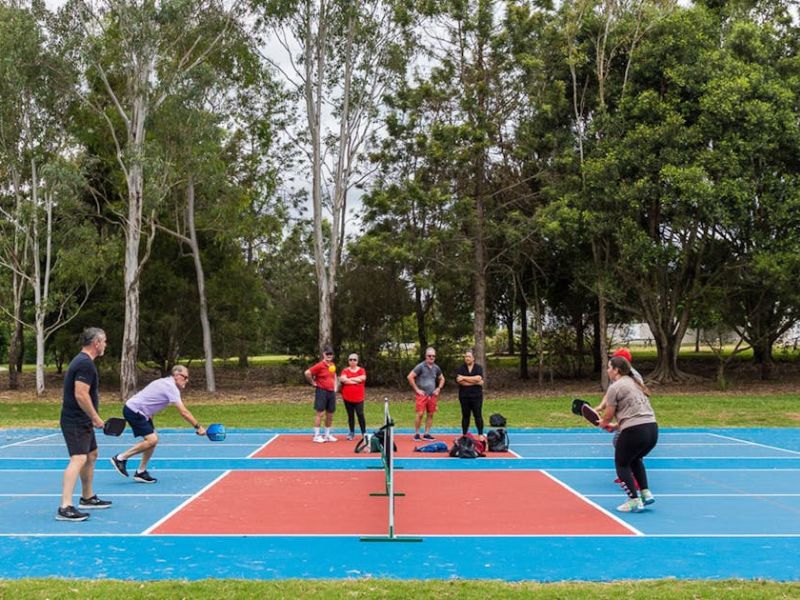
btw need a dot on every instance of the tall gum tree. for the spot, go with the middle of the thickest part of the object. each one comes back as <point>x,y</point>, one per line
<point>134,55</point>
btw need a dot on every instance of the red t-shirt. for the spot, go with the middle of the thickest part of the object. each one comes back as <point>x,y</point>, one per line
<point>322,376</point>
<point>353,392</point>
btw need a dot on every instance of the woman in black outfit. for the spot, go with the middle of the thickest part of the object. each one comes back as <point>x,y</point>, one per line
<point>470,392</point>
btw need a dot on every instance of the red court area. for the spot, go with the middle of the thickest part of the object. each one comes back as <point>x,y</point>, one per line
<point>301,446</point>
<point>435,503</point>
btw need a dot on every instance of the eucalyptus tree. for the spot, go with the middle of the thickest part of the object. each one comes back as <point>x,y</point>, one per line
<point>133,56</point>
<point>339,58</point>
<point>199,135</point>
<point>47,248</point>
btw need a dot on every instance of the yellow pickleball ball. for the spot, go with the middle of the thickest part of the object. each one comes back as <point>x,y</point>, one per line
<point>332,368</point>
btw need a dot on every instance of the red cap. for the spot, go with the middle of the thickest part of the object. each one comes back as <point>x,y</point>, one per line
<point>624,353</point>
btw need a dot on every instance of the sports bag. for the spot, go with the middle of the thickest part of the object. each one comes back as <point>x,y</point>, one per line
<point>497,440</point>
<point>465,447</point>
<point>497,420</point>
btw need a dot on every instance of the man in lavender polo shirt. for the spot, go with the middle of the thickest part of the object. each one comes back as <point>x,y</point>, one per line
<point>139,411</point>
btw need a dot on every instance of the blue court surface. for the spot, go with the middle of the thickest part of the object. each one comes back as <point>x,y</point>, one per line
<point>727,506</point>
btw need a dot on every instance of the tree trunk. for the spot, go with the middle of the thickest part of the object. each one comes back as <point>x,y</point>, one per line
<point>208,350</point>
<point>762,356</point>
<point>15,350</point>
<point>597,358</point>
<point>479,300</point>
<point>602,325</point>
<point>39,285</point>
<point>130,328</point>
<point>419,309</point>
<point>668,340</point>
<point>580,331</point>
<point>523,337</point>
<point>510,333</point>
<point>133,229</point>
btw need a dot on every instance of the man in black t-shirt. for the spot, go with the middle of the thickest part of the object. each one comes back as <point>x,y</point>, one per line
<point>79,417</point>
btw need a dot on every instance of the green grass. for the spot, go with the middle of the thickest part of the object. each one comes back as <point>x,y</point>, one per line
<point>401,590</point>
<point>779,410</point>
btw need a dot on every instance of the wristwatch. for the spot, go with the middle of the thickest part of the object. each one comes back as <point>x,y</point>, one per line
<point>197,425</point>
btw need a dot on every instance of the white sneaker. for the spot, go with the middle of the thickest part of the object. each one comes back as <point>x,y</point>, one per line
<point>647,496</point>
<point>330,438</point>
<point>319,439</point>
<point>632,505</point>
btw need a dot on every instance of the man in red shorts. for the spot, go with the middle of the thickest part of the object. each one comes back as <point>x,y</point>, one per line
<point>323,377</point>
<point>427,380</point>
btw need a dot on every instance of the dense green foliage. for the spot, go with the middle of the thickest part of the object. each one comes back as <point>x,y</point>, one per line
<point>535,172</point>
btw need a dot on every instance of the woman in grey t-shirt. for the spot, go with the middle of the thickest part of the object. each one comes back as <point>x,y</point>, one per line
<point>629,405</point>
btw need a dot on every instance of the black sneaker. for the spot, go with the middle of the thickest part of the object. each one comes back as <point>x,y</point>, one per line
<point>144,477</point>
<point>119,465</point>
<point>428,436</point>
<point>70,513</point>
<point>94,502</point>
<point>417,437</point>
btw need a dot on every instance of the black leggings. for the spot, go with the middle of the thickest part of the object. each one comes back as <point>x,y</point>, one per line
<point>633,445</point>
<point>471,406</point>
<point>353,409</point>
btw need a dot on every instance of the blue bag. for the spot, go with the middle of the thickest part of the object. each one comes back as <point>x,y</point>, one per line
<point>432,447</point>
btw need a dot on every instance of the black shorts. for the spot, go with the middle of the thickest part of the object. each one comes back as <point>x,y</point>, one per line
<point>140,424</point>
<point>80,438</point>
<point>324,400</point>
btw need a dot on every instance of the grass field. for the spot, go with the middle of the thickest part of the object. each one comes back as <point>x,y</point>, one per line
<point>723,410</point>
<point>401,590</point>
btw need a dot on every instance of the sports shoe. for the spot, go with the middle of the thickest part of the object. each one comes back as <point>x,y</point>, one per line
<point>330,438</point>
<point>318,439</point>
<point>350,436</point>
<point>647,497</point>
<point>144,477</point>
<point>428,436</point>
<point>70,513</point>
<point>632,505</point>
<point>120,466</point>
<point>417,437</point>
<point>94,502</point>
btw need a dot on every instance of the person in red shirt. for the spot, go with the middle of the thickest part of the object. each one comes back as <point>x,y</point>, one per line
<point>323,377</point>
<point>352,380</point>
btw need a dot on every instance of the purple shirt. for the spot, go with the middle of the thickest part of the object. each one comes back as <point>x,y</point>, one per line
<point>155,397</point>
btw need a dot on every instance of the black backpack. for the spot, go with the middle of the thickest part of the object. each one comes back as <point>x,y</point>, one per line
<point>464,447</point>
<point>497,420</point>
<point>497,440</point>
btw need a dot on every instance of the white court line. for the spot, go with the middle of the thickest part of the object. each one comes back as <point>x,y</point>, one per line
<point>31,440</point>
<point>701,444</point>
<point>160,445</point>
<point>357,457</point>
<point>742,495</point>
<point>749,443</point>
<point>104,495</point>
<point>260,448</point>
<point>313,536</point>
<point>184,503</point>
<point>594,505</point>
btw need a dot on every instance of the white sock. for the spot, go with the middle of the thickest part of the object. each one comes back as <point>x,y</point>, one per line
<point>327,431</point>
<point>316,431</point>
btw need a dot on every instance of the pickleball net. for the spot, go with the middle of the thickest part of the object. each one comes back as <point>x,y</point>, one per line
<point>387,461</point>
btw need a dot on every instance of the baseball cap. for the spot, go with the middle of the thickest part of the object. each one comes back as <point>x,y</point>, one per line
<point>624,353</point>
<point>327,350</point>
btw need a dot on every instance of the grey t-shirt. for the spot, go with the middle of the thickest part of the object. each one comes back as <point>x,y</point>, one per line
<point>427,377</point>
<point>632,404</point>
